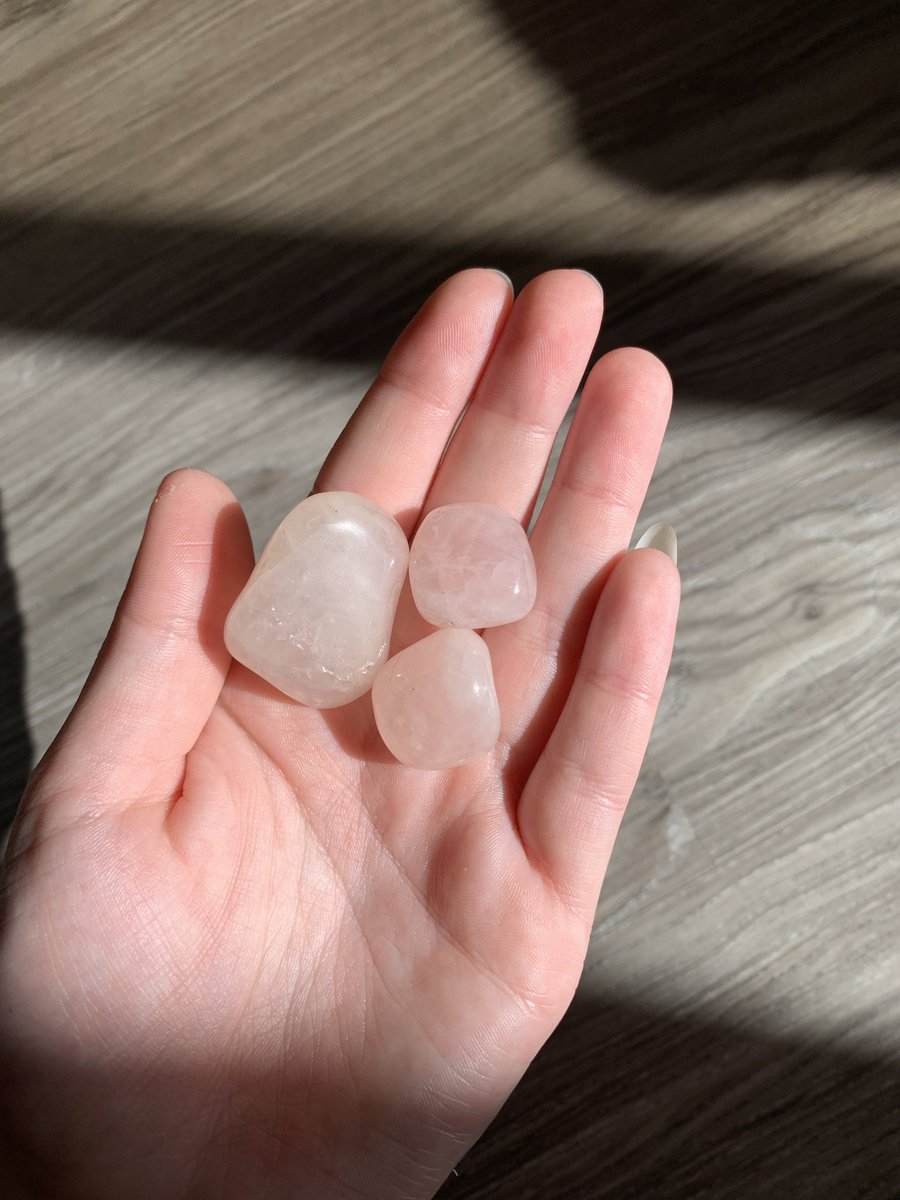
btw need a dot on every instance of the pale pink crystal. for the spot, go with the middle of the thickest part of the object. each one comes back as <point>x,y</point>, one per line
<point>471,567</point>
<point>435,704</point>
<point>315,617</point>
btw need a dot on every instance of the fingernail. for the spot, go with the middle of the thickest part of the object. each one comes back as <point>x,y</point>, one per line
<point>660,537</point>
<point>503,275</point>
<point>590,276</point>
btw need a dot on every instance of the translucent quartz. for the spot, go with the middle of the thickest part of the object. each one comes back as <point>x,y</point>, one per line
<point>315,617</point>
<point>435,704</point>
<point>471,567</point>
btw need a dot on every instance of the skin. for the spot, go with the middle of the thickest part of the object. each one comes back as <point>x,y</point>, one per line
<point>244,952</point>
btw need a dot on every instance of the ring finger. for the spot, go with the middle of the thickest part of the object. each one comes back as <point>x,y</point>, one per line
<point>587,520</point>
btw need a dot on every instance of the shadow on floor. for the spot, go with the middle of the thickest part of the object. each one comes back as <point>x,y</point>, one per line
<point>15,738</point>
<point>639,1103</point>
<point>626,1103</point>
<point>753,93</point>
<point>813,340</point>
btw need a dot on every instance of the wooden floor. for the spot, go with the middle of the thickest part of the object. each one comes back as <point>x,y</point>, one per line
<point>213,218</point>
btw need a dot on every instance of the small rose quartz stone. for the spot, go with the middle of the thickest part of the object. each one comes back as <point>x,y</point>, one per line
<point>471,567</point>
<point>435,704</point>
<point>315,617</point>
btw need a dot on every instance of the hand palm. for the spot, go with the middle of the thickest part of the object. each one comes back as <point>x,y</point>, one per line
<point>299,964</point>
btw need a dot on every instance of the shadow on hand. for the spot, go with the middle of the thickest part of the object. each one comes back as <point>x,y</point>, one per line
<point>706,96</point>
<point>15,737</point>
<point>623,1103</point>
<point>631,1103</point>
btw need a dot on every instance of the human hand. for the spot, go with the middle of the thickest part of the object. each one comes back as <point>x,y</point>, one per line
<point>245,953</point>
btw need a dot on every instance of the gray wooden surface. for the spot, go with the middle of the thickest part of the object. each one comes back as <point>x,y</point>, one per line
<point>213,218</point>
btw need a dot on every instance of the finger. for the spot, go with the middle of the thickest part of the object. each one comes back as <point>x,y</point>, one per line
<point>394,441</point>
<point>572,806</point>
<point>164,661</point>
<point>587,519</point>
<point>500,451</point>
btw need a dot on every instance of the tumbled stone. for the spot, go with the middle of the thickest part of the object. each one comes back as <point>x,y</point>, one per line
<point>471,567</point>
<point>315,617</point>
<point>435,703</point>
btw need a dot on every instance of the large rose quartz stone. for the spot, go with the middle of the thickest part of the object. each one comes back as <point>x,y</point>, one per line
<point>315,617</point>
<point>435,704</point>
<point>471,567</point>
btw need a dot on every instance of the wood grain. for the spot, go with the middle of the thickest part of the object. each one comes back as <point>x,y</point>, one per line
<point>213,219</point>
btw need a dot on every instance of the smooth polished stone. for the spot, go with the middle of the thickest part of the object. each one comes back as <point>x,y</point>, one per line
<point>435,703</point>
<point>315,617</point>
<point>471,567</point>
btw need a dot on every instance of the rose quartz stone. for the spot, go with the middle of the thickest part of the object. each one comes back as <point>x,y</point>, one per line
<point>435,704</point>
<point>471,567</point>
<point>315,617</point>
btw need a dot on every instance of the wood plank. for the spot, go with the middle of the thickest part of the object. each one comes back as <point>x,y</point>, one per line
<point>213,219</point>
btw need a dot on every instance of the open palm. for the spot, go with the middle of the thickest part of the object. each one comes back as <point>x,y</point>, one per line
<point>246,953</point>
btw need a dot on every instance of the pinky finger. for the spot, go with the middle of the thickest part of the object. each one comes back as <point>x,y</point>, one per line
<point>572,806</point>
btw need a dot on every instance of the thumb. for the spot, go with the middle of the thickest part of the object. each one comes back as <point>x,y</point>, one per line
<point>164,661</point>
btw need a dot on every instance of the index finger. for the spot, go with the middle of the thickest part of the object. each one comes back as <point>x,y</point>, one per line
<point>393,443</point>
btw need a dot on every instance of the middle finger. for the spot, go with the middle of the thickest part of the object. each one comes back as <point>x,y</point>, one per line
<point>500,451</point>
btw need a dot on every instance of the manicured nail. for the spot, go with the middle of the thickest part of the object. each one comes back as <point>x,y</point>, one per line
<point>503,275</point>
<point>590,276</point>
<point>660,537</point>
